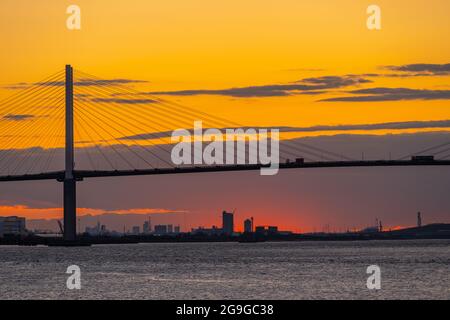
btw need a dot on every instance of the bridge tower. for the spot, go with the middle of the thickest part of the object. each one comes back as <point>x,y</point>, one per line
<point>70,206</point>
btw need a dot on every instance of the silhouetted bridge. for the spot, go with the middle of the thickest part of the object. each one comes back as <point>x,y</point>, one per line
<point>80,175</point>
<point>105,131</point>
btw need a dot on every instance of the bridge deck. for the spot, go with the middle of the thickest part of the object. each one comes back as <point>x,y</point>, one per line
<point>82,174</point>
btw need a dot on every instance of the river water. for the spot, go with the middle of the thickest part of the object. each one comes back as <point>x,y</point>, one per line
<point>284,270</point>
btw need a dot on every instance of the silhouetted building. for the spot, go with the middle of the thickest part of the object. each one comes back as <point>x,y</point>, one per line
<point>373,229</point>
<point>91,231</point>
<point>266,230</point>
<point>214,231</point>
<point>419,219</point>
<point>227,223</point>
<point>170,228</point>
<point>177,229</point>
<point>160,229</point>
<point>135,230</point>
<point>146,227</point>
<point>12,226</point>
<point>272,229</point>
<point>260,229</point>
<point>248,226</point>
<point>97,230</point>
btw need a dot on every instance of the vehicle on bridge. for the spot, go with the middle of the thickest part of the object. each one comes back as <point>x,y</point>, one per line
<point>422,158</point>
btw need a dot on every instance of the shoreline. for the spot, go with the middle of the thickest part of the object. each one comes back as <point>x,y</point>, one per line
<point>428,232</point>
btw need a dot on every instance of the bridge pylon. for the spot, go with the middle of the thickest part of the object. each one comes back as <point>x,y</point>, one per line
<point>70,206</point>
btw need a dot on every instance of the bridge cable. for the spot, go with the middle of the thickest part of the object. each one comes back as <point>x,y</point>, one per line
<point>227,123</point>
<point>81,121</point>
<point>120,93</point>
<point>183,109</point>
<point>32,104</point>
<point>24,139</point>
<point>86,151</point>
<point>425,150</point>
<point>84,112</point>
<point>22,94</point>
<point>53,137</point>
<point>124,118</point>
<point>29,153</point>
<point>129,148</point>
<point>183,119</point>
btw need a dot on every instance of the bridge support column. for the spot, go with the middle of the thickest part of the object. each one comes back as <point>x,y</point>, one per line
<point>70,210</point>
<point>70,205</point>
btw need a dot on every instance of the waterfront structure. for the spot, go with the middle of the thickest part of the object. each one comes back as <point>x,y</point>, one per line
<point>248,227</point>
<point>146,227</point>
<point>227,223</point>
<point>160,229</point>
<point>270,230</point>
<point>12,226</point>
<point>97,230</point>
<point>135,230</point>
<point>214,231</point>
<point>260,229</point>
<point>373,229</point>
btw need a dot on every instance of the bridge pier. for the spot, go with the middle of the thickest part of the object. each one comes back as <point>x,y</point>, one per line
<point>70,210</point>
<point>70,203</point>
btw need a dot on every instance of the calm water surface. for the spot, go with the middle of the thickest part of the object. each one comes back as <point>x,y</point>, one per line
<point>300,270</point>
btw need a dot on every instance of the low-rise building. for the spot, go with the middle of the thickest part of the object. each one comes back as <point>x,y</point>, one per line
<point>268,230</point>
<point>12,226</point>
<point>135,230</point>
<point>214,231</point>
<point>160,229</point>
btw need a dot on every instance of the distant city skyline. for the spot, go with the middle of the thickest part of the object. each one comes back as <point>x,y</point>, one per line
<point>125,222</point>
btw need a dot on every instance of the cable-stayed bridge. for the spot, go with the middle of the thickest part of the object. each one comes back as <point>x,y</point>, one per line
<point>72,126</point>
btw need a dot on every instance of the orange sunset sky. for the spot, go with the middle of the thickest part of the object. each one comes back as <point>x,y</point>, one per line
<point>270,63</point>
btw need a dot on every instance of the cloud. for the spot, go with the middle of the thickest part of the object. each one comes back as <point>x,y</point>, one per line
<point>392,94</point>
<point>304,86</point>
<point>79,83</point>
<point>18,117</point>
<point>57,212</point>
<point>106,82</point>
<point>320,128</point>
<point>331,82</point>
<point>382,126</point>
<point>422,68</point>
<point>410,70</point>
<point>17,86</point>
<point>124,101</point>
